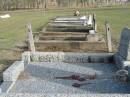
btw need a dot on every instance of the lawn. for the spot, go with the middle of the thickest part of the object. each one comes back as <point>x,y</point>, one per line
<point>13,30</point>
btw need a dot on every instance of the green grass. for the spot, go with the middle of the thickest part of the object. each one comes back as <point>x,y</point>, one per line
<point>13,30</point>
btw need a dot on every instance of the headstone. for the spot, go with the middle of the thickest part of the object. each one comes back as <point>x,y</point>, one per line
<point>90,20</point>
<point>124,46</point>
<point>30,38</point>
<point>108,32</point>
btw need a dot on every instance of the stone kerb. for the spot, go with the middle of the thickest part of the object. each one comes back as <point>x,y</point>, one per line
<point>67,57</point>
<point>13,72</point>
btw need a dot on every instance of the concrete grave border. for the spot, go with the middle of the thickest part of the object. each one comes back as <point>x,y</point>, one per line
<point>67,57</point>
<point>11,75</point>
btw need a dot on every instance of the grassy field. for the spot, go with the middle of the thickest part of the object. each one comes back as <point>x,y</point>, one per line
<point>13,30</point>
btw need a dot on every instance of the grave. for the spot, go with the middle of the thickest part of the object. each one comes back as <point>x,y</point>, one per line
<point>70,34</point>
<point>70,23</point>
<point>73,74</point>
<point>44,72</point>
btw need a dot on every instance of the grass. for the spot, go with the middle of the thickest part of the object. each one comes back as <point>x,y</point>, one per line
<point>13,30</point>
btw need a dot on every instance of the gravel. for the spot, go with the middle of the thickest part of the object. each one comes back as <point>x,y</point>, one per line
<point>63,95</point>
<point>41,79</point>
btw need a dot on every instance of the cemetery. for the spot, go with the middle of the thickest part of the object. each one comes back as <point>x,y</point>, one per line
<point>70,58</point>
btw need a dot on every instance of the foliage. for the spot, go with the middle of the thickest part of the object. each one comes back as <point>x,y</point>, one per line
<point>44,4</point>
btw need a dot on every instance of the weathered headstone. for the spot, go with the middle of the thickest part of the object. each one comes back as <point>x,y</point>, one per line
<point>108,32</point>
<point>124,46</point>
<point>122,57</point>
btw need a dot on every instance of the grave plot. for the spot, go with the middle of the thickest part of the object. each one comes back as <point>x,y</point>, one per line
<point>72,24</point>
<point>70,73</point>
<point>70,34</point>
<point>73,72</point>
<point>66,73</point>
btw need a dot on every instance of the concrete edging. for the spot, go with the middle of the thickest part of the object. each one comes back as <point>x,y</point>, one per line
<point>11,75</point>
<point>67,57</point>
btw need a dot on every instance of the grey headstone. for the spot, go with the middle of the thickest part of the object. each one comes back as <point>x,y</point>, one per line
<point>124,46</point>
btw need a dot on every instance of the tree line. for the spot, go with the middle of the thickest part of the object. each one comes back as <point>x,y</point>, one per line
<point>45,4</point>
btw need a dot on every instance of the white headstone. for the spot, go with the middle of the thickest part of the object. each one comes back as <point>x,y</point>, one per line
<point>90,20</point>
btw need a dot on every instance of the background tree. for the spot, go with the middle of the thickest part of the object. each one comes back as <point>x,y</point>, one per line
<point>32,4</point>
